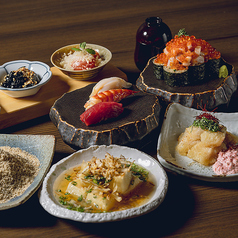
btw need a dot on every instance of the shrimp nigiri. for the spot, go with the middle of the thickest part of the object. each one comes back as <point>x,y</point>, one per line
<point>101,112</point>
<point>113,95</point>
<point>110,83</point>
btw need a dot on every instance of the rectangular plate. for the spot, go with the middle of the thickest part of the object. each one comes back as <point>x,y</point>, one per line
<point>177,118</point>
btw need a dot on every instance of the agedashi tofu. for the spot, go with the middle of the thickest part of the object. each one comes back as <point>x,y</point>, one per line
<point>101,184</point>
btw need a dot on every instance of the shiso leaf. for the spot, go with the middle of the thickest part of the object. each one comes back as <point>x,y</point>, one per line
<point>90,51</point>
<point>76,49</point>
<point>82,45</point>
<point>182,32</point>
<point>223,72</point>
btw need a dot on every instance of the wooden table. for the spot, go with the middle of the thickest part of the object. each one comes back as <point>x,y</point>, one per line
<point>33,30</point>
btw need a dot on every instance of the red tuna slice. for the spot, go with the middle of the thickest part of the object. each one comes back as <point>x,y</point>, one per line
<point>101,112</point>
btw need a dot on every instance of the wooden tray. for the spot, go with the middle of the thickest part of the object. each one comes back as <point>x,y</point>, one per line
<point>18,110</point>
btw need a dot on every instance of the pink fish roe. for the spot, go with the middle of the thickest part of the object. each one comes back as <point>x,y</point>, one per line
<point>227,162</point>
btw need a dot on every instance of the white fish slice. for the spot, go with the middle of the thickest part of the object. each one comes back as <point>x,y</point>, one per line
<point>110,83</point>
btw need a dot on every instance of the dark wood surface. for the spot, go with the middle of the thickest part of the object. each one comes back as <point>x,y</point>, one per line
<point>33,30</point>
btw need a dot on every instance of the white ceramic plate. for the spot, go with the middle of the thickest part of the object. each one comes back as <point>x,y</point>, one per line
<point>177,118</point>
<point>51,205</point>
<point>42,146</point>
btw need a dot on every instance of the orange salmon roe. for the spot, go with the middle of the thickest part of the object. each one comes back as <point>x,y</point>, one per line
<point>184,51</point>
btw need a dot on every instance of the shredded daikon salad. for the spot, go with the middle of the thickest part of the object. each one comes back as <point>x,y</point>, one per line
<point>81,58</point>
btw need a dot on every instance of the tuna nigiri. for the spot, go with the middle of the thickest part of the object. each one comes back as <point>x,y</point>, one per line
<point>101,112</point>
<point>109,83</point>
<point>113,95</point>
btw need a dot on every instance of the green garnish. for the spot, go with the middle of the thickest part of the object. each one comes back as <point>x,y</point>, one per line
<point>207,121</point>
<point>223,72</point>
<point>139,172</point>
<point>76,49</point>
<point>82,46</point>
<point>182,32</point>
<point>98,181</point>
<point>89,191</point>
<point>90,51</point>
<point>74,183</point>
<point>80,198</point>
<point>207,124</point>
<point>68,178</point>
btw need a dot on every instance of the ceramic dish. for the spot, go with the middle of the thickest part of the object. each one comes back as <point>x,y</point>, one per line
<point>42,146</point>
<point>176,119</point>
<point>105,54</point>
<point>51,205</point>
<point>211,93</point>
<point>131,126</point>
<point>42,69</point>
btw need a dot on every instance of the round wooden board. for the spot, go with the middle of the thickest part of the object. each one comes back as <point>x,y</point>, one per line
<point>139,118</point>
<point>209,94</point>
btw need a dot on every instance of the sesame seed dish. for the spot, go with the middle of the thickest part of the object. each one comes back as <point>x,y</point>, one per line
<point>24,161</point>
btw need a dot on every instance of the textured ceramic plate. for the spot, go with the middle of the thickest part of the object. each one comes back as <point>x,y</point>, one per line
<point>51,205</point>
<point>177,118</point>
<point>42,146</point>
<point>211,93</point>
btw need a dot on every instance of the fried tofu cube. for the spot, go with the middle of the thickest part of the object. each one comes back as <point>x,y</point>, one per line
<point>204,154</point>
<point>133,184</point>
<point>201,145</point>
<point>100,201</point>
<point>76,190</point>
<point>212,139</point>
<point>188,139</point>
<point>122,182</point>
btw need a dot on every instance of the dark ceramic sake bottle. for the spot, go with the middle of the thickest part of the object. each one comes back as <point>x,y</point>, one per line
<point>151,38</point>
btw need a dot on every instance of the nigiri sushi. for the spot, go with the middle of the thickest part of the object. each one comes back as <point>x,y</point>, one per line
<point>101,112</point>
<point>109,83</point>
<point>113,95</point>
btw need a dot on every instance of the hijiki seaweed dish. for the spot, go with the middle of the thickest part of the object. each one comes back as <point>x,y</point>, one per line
<point>187,60</point>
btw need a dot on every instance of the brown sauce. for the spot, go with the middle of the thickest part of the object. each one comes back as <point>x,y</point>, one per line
<point>139,196</point>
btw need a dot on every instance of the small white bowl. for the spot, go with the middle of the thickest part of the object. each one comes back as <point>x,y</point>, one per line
<point>52,206</point>
<point>42,69</point>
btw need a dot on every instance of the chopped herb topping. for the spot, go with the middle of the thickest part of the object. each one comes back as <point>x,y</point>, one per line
<point>80,198</point>
<point>68,177</point>
<point>206,121</point>
<point>74,183</point>
<point>139,172</point>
